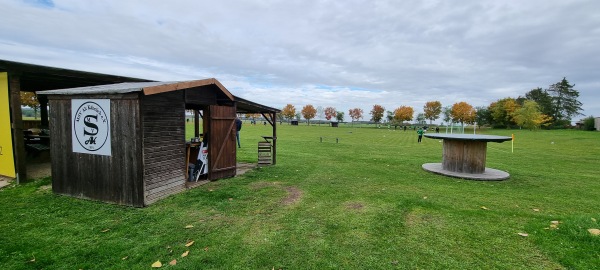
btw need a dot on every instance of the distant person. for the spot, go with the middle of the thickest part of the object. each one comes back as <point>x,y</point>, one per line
<point>238,127</point>
<point>404,128</point>
<point>420,133</point>
<point>437,129</point>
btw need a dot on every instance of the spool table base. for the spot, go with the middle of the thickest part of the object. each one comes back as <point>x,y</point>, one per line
<point>488,175</point>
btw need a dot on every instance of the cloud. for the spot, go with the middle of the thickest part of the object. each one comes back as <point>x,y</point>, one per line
<point>329,53</point>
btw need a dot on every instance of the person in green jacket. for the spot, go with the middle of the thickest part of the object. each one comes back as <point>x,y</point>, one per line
<point>420,133</point>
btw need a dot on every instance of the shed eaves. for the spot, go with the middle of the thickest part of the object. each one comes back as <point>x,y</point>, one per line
<point>119,88</point>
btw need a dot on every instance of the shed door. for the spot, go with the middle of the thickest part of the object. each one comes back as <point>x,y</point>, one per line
<point>221,144</point>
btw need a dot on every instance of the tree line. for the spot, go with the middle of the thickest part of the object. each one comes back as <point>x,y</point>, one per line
<point>551,107</point>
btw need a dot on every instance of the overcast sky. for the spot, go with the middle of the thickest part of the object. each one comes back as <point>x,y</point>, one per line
<point>344,54</point>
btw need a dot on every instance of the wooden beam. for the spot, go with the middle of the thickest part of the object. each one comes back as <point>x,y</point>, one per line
<point>274,115</point>
<point>268,118</point>
<point>43,110</point>
<point>151,90</point>
<point>196,123</point>
<point>14,87</point>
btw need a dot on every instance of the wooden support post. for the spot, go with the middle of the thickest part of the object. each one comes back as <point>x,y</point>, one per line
<point>14,87</point>
<point>196,123</point>
<point>43,111</point>
<point>274,138</point>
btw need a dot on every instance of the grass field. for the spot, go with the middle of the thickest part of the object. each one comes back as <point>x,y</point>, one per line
<point>362,203</point>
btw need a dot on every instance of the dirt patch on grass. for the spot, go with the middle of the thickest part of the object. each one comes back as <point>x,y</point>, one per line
<point>355,206</point>
<point>242,168</point>
<point>39,170</point>
<point>420,218</point>
<point>261,185</point>
<point>294,195</point>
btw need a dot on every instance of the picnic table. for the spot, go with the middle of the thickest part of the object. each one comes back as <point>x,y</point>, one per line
<point>464,156</point>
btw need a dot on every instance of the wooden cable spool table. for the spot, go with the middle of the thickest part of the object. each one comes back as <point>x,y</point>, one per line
<point>464,156</point>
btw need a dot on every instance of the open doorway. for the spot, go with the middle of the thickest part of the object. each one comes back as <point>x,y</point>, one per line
<point>212,144</point>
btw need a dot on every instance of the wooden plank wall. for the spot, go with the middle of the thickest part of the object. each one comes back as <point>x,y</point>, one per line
<point>222,142</point>
<point>200,96</point>
<point>163,118</point>
<point>116,178</point>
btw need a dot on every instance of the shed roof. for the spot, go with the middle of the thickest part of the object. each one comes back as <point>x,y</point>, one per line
<point>118,88</point>
<point>37,77</point>
<point>247,106</point>
<point>151,88</point>
<point>148,88</point>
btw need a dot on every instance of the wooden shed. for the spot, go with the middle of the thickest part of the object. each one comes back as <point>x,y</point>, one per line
<point>17,77</point>
<point>125,143</point>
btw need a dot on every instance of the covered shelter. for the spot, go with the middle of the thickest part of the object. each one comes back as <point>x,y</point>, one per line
<point>269,113</point>
<point>126,143</point>
<point>17,77</point>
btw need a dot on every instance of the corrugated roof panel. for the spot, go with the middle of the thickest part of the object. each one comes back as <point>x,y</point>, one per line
<point>118,88</point>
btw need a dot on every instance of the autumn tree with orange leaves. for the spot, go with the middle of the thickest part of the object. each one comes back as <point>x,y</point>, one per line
<point>30,100</point>
<point>377,113</point>
<point>403,113</point>
<point>309,112</point>
<point>432,110</point>
<point>330,112</point>
<point>355,114</point>
<point>463,112</point>
<point>289,112</point>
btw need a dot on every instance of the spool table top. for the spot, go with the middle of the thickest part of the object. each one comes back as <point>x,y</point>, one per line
<point>469,137</point>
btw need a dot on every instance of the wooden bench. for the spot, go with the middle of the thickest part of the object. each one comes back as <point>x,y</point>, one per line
<point>265,153</point>
<point>36,150</point>
<point>38,147</point>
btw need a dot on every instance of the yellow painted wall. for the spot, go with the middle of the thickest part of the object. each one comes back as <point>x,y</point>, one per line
<point>7,163</point>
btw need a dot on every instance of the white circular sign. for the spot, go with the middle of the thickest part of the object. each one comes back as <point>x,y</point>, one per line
<point>91,126</point>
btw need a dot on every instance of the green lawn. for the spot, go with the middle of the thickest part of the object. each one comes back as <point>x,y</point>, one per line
<point>362,203</point>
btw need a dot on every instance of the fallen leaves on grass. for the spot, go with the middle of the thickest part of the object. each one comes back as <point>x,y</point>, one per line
<point>185,253</point>
<point>157,264</point>
<point>105,230</point>
<point>125,258</point>
<point>535,210</point>
<point>173,262</point>
<point>484,208</point>
<point>523,234</point>
<point>553,225</point>
<point>189,226</point>
<point>189,244</point>
<point>594,231</point>
<point>205,248</point>
<point>593,219</point>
